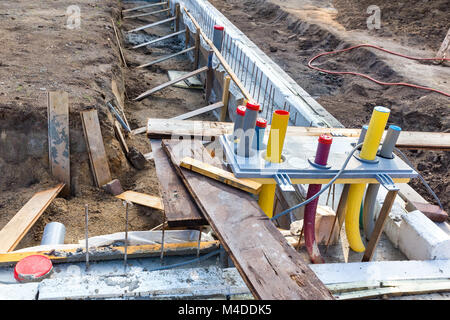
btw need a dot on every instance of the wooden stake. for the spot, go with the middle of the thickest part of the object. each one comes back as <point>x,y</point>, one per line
<point>177,17</point>
<point>209,77</point>
<point>385,209</point>
<point>225,98</point>
<point>197,48</point>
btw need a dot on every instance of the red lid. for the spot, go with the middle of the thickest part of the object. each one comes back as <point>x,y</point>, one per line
<point>240,110</point>
<point>325,139</point>
<point>252,106</point>
<point>261,122</point>
<point>217,27</point>
<point>32,268</point>
<point>282,112</point>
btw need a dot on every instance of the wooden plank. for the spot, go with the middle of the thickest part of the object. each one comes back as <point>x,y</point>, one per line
<point>411,289</point>
<point>221,175</point>
<point>18,226</point>
<point>199,111</point>
<point>120,100</point>
<point>58,138</point>
<point>269,266</point>
<point>120,137</point>
<point>122,56</point>
<point>207,130</point>
<point>179,208</point>
<point>95,147</point>
<point>169,83</point>
<point>142,199</point>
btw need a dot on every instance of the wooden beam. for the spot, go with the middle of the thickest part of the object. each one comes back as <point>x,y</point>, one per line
<point>58,138</point>
<point>268,265</point>
<point>122,56</point>
<point>145,6</point>
<point>154,24</point>
<point>179,208</point>
<point>18,226</point>
<point>95,147</point>
<point>221,175</point>
<point>379,225</point>
<point>165,58</point>
<point>142,199</point>
<point>199,111</point>
<point>159,39</point>
<point>169,83</point>
<point>225,98</point>
<point>208,130</point>
<point>120,137</point>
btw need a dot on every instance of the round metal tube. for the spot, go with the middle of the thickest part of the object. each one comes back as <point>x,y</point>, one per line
<point>218,37</point>
<point>54,233</point>
<point>363,134</point>
<point>389,142</point>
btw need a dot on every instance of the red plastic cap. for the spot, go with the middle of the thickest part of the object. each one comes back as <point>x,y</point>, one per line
<point>217,27</point>
<point>253,106</point>
<point>240,110</point>
<point>282,112</point>
<point>32,268</point>
<point>325,139</point>
<point>261,123</point>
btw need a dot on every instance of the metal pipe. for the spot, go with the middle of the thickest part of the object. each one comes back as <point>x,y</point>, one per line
<point>245,142</point>
<point>145,6</point>
<point>54,233</point>
<point>159,39</point>
<point>86,214</point>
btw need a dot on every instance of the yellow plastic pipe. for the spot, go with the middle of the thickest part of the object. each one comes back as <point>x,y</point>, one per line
<point>369,150</point>
<point>277,134</point>
<point>278,128</point>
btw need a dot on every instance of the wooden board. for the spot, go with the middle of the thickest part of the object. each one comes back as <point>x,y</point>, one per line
<point>18,226</point>
<point>142,199</point>
<point>122,56</point>
<point>58,137</point>
<point>221,175</point>
<point>179,208</point>
<point>95,147</point>
<point>120,137</point>
<point>269,266</point>
<point>207,130</point>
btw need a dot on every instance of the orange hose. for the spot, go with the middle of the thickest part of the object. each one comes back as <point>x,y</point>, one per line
<point>372,79</point>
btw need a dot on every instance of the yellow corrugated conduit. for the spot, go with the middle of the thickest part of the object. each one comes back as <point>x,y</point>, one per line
<point>369,150</point>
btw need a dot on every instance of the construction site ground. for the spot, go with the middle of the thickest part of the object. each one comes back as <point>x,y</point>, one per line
<point>40,54</point>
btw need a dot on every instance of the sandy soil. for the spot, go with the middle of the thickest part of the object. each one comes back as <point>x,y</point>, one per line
<point>38,54</point>
<point>292,32</point>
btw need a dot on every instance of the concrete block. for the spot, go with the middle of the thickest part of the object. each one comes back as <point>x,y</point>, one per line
<point>23,291</point>
<point>113,187</point>
<point>421,239</point>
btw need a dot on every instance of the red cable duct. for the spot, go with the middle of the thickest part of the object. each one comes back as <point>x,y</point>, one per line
<point>372,79</point>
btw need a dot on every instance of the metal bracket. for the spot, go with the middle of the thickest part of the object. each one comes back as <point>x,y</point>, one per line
<point>284,182</point>
<point>386,181</point>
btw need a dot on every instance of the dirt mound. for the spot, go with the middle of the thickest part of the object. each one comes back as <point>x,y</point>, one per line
<point>422,22</point>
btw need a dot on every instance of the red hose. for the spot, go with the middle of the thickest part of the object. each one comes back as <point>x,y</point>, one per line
<point>372,79</point>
